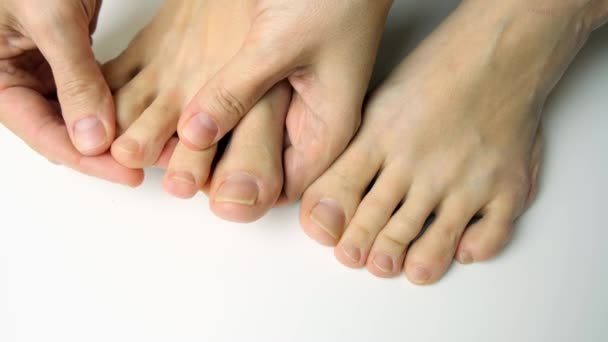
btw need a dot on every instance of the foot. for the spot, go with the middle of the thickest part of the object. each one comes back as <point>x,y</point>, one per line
<point>449,150</point>
<point>325,50</point>
<point>181,49</point>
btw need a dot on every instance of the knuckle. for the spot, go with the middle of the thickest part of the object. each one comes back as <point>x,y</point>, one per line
<point>80,91</point>
<point>226,103</point>
<point>410,221</point>
<point>361,232</point>
<point>400,240</point>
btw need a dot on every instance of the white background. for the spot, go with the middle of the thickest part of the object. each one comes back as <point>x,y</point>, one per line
<point>83,260</point>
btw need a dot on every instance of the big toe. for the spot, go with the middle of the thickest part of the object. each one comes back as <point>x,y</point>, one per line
<point>331,201</point>
<point>248,179</point>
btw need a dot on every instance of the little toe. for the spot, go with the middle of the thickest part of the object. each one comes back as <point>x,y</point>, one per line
<point>248,179</point>
<point>429,257</point>
<point>188,171</point>
<point>485,238</point>
<point>331,201</point>
<point>371,216</point>
<point>142,143</point>
<point>390,246</point>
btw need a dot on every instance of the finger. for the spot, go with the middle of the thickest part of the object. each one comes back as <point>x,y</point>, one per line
<point>231,93</point>
<point>63,37</point>
<point>33,119</point>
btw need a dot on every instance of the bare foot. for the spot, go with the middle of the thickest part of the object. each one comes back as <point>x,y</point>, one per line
<point>452,134</point>
<point>183,47</point>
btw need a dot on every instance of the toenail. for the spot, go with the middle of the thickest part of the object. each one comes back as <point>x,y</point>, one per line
<point>465,258</point>
<point>240,189</point>
<point>420,274</point>
<point>201,130</point>
<point>352,252</point>
<point>182,177</point>
<point>328,216</point>
<point>89,134</point>
<point>128,146</point>
<point>384,263</point>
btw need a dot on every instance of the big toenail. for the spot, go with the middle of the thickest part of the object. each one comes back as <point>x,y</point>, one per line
<point>465,258</point>
<point>182,177</point>
<point>201,130</point>
<point>352,252</point>
<point>128,146</point>
<point>240,189</point>
<point>89,134</point>
<point>384,263</point>
<point>420,274</point>
<point>328,216</point>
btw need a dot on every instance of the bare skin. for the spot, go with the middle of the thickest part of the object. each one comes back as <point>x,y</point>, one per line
<point>183,47</point>
<point>52,92</point>
<point>325,50</point>
<point>454,132</point>
<point>234,47</point>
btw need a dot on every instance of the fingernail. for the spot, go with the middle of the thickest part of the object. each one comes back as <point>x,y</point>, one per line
<point>328,216</point>
<point>183,177</point>
<point>420,275</point>
<point>89,134</point>
<point>384,263</point>
<point>240,189</point>
<point>128,146</point>
<point>201,130</point>
<point>465,258</point>
<point>352,252</point>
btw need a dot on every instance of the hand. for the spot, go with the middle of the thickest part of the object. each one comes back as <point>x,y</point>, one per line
<point>47,68</point>
<point>326,49</point>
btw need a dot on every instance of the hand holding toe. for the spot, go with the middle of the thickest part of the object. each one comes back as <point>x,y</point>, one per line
<point>44,53</point>
<point>326,49</point>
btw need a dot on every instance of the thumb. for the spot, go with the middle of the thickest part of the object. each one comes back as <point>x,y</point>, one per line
<point>63,37</point>
<point>230,95</point>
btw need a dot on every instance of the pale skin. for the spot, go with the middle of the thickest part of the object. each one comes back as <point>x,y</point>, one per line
<point>152,81</point>
<point>46,56</point>
<point>454,132</point>
<point>325,84</point>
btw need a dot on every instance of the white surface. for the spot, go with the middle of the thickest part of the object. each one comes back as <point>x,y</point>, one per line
<point>82,260</point>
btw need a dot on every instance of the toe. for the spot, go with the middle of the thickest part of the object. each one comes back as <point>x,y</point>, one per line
<point>390,246</point>
<point>371,216</point>
<point>429,257</point>
<point>487,237</point>
<point>142,143</point>
<point>123,68</point>
<point>330,203</point>
<point>133,99</point>
<point>248,179</point>
<point>188,171</point>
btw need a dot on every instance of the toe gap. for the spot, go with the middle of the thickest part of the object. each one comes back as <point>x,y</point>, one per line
<point>429,221</point>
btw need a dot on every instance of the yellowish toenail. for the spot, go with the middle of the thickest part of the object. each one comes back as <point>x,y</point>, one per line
<point>352,252</point>
<point>420,274</point>
<point>239,189</point>
<point>384,263</point>
<point>328,216</point>
<point>128,146</point>
<point>465,258</point>
<point>183,177</point>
